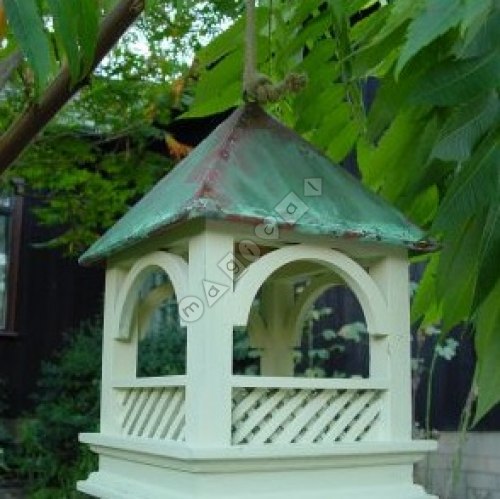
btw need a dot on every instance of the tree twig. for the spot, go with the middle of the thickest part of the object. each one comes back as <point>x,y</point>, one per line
<point>34,118</point>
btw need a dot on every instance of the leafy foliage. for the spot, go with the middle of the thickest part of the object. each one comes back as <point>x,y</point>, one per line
<point>32,27</point>
<point>428,142</point>
<point>67,403</point>
<point>106,148</point>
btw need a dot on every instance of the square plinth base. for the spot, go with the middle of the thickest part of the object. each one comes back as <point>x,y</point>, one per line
<point>137,469</point>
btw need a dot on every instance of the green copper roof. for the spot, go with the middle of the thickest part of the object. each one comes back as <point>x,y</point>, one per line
<point>252,168</point>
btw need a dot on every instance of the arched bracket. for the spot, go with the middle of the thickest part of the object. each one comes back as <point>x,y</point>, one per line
<point>151,302</point>
<point>257,329</point>
<point>359,281</point>
<point>306,300</point>
<point>174,267</point>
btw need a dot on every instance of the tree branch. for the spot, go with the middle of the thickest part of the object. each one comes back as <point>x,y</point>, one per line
<point>33,119</point>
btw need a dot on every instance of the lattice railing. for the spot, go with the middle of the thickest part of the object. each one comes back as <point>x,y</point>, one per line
<point>288,415</point>
<point>152,412</point>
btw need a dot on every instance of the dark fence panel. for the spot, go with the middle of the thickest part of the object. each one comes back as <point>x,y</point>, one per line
<point>54,295</point>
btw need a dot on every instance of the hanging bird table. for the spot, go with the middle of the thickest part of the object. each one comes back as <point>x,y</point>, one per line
<point>253,211</point>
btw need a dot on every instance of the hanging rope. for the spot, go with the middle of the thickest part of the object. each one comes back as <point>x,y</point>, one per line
<point>258,87</point>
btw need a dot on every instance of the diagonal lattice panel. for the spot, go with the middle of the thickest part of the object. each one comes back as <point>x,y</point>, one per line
<point>157,412</point>
<point>292,415</point>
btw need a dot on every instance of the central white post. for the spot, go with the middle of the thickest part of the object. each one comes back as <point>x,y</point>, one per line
<point>391,276</point>
<point>209,339</point>
<point>277,305</point>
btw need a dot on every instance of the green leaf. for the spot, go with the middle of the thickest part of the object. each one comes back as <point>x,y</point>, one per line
<point>425,303</point>
<point>27,25</point>
<point>487,343</point>
<point>394,168</point>
<point>229,96</point>
<point>473,187</point>
<point>312,101</point>
<point>482,37</point>
<point>401,12</point>
<point>88,28</point>
<point>438,17</point>
<point>376,164</point>
<point>423,208</point>
<point>65,15</point>
<point>230,39</point>
<point>302,10</point>
<point>344,142</point>
<point>489,254</point>
<point>312,32</point>
<point>225,74</point>
<point>76,24</point>
<point>474,11</point>
<point>455,82</point>
<point>465,127</point>
<point>376,58</point>
<point>457,271</point>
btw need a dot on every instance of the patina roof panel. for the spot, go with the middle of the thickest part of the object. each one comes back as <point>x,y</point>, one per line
<point>242,171</point>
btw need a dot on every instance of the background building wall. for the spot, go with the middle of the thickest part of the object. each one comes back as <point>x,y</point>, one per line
<point>479,475</point>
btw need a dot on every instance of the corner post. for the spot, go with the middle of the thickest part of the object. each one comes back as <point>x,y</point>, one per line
<point>110,361</point>
<point>391,275</point>
<point>208,314</point>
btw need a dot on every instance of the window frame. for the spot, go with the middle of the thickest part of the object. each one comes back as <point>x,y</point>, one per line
<point>15,213</point>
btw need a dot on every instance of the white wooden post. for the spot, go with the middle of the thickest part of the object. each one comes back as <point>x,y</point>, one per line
<point>391,276</point>
<point>209,340</point>
<point>113,351</point>
<point>277,352</point>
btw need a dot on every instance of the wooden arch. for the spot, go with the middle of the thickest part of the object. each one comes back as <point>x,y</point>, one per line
<point>372,302</point>
<point>174,267</point>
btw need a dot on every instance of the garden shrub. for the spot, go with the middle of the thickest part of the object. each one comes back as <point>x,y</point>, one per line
<point>50,458</point>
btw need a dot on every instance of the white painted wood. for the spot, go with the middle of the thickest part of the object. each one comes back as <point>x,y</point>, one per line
<point>277,355</point>
<point>208,434</point>
<point>288,416</point>
<point>279,417</point>
<point>136,469</point>
<point>257,416</point>
<point>392,357</point>
<point>152,382</point>
<point>170,415</point>
<point>156,412</point>
<point>256,329</point>
<point>145,417</point>
<point>109,404</point>
<point>315,431</point>
<point>317,286</point>
<point>148,305</point>
<point>244,400</point>
<point>363,424</point>
<point>205,458</point>
<point>310,383</point>
<point>136,411</point>
<point>209,344</point>
<point>347,416</point>
<point>368,294</point>
<point>305,416</point>
<point>174,267</point>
